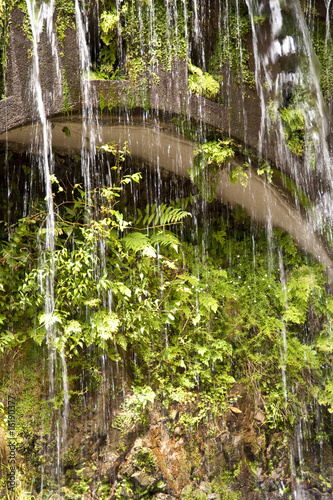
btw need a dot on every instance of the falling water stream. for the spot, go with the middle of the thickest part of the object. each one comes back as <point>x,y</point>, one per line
<point>163,139</point>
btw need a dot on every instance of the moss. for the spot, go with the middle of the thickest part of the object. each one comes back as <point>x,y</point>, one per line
<point>101,101</point>
<point>136,71</point>
<point>292,119</point>
<point>3,45</point>
<point>131,99</point>
<point>114,99</point>
<point>26,25</point>
<point>208,159</point>
<point>108,54</point>
<point>145,460</point>
<point>144,99</point>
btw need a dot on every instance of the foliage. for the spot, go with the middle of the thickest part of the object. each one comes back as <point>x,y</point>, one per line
<point>230,46</point>
<point>26,25</point>
<point>185,323</point>
<point>298,194</point>
<point>238,173</point>
<point>151,34</point>
<point>292,117</point>
<point>145,460</point>
<point>65,18</point>
<point>5,7</point>
<point>211,156</point>
<point>108,25</point>
<point>201,83</point>
<point>293,126</point>
<point>208,159</point>
<point>323,47</point>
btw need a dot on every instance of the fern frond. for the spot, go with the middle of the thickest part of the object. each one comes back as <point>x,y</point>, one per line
<point>165,239</point>
<point>161,215</point>
<point>138,242</point>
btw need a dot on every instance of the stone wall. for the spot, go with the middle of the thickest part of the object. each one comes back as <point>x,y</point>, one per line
<point>19,107</point>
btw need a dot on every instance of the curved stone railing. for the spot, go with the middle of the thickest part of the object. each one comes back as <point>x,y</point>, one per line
<point>152,144</point>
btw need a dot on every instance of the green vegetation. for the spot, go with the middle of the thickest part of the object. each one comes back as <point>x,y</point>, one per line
<point>200,83</point>
<point>66,105</point>
<point>212,156</point>
<point>3,45</point>
<point>293,127</point>
<point>292,118</point>
<point>298,194</point>
<point>208,159</point>
<point>150,36</point>
<point>26,26</point>
<point>186,317</point>
<point>231,45</point>
<point>65,18</point>
<point>186,313</point>
<point>5,8</point>
<point>324,51</point>
<point>108,25</point>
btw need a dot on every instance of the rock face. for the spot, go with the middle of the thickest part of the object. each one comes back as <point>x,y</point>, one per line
<point>60,76</point>
<point>160,456</point>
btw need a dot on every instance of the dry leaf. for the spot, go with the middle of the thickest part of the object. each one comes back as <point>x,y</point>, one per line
<point>234,409</point>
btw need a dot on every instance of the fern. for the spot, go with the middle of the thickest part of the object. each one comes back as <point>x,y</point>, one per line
<point>137,242</point>
<point>165,239</point>
<point>161,215</point>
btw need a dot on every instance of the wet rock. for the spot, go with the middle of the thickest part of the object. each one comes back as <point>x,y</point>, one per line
<point>274,475</point>
<point>224,436</point>
<point>315,494</point>
<point>187,490</point>
<point>143,480</point>
<point>138,444</point>
<point>174,414</point>
<point>124,493</point>
<point>67,494</point>
<point>110,457</point>
<point>237,440</point>
<point>164,496</point>
<point>127,470</point>
<point>204,486</point>
<point>260,417</point>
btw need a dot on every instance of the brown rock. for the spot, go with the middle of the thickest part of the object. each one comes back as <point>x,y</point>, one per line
<point>260,417</point>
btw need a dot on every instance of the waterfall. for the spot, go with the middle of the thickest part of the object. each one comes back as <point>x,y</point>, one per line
<point>89,120</point>
<point>166,258</point>
<point>41,17</point>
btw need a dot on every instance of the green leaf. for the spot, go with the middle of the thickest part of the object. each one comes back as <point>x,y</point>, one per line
<point>66,131</point>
